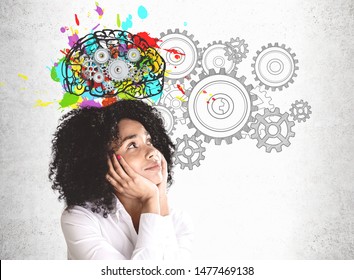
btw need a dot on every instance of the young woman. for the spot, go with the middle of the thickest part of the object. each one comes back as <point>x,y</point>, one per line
<point>112,166</point>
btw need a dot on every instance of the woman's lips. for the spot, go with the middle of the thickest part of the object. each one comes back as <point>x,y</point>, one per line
<point>155,167</point>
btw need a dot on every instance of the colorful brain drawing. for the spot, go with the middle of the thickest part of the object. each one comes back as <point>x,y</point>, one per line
<point>113,63</point>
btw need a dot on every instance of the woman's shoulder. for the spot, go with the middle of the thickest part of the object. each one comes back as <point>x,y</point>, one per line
<point>79,214</point>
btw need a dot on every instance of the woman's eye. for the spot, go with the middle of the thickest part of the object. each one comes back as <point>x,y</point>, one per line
<point>132,145</point>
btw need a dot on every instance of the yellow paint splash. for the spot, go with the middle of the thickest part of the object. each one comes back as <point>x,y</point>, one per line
<point>181,98</point>
<point>41,103</point>
<point>2,84</point>
<point>23,76</point>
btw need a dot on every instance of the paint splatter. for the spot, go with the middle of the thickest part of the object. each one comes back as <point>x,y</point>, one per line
<point>2,84</point>
<point>118,21</point>
<point>142,12</point>
<point>99,10</point>
<point>69,100</point>
<point>128,23</point>
<point>180,89</point>
<point>73,39</point>
<point>175,52</point>
<point>151,41</point>
<point>23,76</point>
<point>77,20</point>
<point>185,23</point>
<point>41,103</point>
<point>96,26</point>
<point>89,103</point>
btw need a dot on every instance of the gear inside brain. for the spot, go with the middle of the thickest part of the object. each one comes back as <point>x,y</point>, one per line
<point>113,63</point>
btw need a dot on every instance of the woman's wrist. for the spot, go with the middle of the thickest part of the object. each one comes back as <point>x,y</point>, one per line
<point>151,203</point>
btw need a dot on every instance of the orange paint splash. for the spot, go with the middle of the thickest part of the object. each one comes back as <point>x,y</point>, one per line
<point>180,89</point>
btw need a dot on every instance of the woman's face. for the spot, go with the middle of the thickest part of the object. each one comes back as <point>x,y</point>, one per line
<point>134,145</point>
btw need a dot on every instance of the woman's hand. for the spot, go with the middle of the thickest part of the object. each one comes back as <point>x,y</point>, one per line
<point>129,183</point>
<point>164,209</point>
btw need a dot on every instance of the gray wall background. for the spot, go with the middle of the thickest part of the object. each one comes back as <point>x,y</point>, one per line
<point>245,203</point>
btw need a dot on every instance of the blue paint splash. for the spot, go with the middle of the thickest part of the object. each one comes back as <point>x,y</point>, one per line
<point>142,12</point>
<point>127,23</point>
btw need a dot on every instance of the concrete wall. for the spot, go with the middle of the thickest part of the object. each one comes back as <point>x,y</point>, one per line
<point>246,203</point>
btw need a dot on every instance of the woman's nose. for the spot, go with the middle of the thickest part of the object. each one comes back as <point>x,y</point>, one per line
<point>151,152</point>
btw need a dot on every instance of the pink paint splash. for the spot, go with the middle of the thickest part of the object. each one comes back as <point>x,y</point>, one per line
<point>99,11</point>
<point>73,39</point>
<point>89,103</point>
<point>96,26</point>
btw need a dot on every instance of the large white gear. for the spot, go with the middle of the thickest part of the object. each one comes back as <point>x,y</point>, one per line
<point>275,66</point>
<point>236,49</point>
<point>214,57</point>
<point>220,106</point>
<point>189,152</point>
<point>300,111</point>
<point>174,98</point>
<point>184,61</point>
<point>168,117</point>
<point>272,130</point>
<point>118,70</point>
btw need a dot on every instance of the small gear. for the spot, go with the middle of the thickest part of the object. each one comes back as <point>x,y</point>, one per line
<point>173,97</point>
<point>236,49</point>
<point>275,66</point>
<point>300,111</point>
<point>135,74</point>
<point>220,106</point>
<point>133,55</point>
<point>181,54</point>
<point>189,152</point>
<point>108,88</point>
<point>168,117</point>
<point>271,133</point>
<point>101,56</point>
<point>214,57</point>
<point>89,68</point>
<point>118,70</point>
<point>262,102</point>
<point>98,77</point>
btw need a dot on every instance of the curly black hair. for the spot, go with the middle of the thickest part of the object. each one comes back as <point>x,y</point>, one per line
<point>80,146</point>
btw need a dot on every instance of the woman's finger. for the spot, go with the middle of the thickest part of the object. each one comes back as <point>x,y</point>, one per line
<point>128,170</point>
<point>114,183</point>
<point>119,169</point>
<point>112,172</point>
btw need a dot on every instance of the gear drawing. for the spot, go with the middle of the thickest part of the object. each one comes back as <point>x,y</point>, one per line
<point>181,54</point>
<point>262,102</point>
<point>271,133</point>
<point>214,57</point>
<point>175,99</point>
<point>168,117</point>
<point>118,70</point>
<point>189,152</point>
<point>101,56</point>
<point>300,111</point>
<point>275,66</point>
<point>108,88</point>
<point>236,49</point>
<point>220,106</point>
<point>89,68</point>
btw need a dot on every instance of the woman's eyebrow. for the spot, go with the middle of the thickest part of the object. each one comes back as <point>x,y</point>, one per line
<point>129,137</point>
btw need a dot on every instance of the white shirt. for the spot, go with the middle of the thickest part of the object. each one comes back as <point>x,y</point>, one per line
<point>89,235</point>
